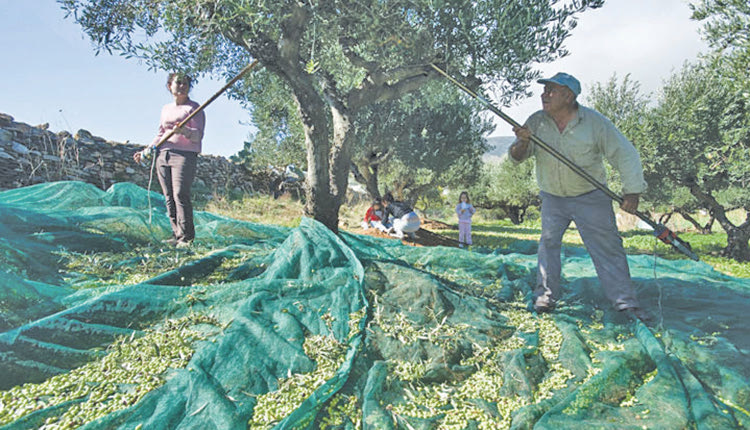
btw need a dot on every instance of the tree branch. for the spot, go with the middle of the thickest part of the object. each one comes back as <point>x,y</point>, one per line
<point>709,201</point>
<point>358,176</point>
<point>354,58</point>
<point>332,93</point>
<point>379,158</point>
<point>291,34</point>
<point>381,77</point>
<point>374,94</point>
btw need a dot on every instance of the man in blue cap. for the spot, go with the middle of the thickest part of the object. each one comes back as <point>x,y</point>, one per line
<point>585,137</point>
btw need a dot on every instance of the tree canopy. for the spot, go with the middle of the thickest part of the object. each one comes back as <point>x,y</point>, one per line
<point>337,57</point>
<point>507,186</point>
<point>692,141</point>
<point>427,139</point>
<point>726,27</point>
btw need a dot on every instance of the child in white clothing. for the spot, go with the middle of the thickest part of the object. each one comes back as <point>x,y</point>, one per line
<point>464,210</point>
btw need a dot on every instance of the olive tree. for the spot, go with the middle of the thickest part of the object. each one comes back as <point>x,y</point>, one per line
<point>628,108</point>
<point>507,186</point>
<point>338,56</point>
<point>726,27</point>
<point>426,140</point>
<point>698,137</point>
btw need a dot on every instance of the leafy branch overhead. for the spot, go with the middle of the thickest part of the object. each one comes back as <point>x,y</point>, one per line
<point>360,53</point>
<point>693,141</point>
<point>360,44</point>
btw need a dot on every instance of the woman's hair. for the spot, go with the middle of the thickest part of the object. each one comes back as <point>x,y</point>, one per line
<point>464,193</point>
<point>177,75</point>
<point>388,198</point>
<point>376,202</point>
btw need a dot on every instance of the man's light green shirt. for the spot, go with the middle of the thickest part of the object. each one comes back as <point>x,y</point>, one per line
<point>587,140</point>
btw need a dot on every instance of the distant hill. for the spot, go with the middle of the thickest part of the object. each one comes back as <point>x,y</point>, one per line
<point>498,148</point>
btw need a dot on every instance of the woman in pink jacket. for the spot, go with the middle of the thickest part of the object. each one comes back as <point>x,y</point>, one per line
<point>464,210</point>
<point>177,158</point>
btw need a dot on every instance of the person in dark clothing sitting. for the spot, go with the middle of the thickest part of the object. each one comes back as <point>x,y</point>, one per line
<point>405,220</point>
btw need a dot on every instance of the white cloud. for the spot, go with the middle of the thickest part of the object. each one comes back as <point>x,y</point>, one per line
<point>646,38</point>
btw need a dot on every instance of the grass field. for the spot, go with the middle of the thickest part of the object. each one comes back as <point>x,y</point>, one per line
<point>492,233</point>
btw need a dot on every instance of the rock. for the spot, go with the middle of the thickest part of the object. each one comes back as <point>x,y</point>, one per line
<point>5,136</point>
<point>19,128</point>
<point>83,134</point>
<point>97,161</point>
<point>19,148</point>
<point>66,140</point>
<point>5,119</point>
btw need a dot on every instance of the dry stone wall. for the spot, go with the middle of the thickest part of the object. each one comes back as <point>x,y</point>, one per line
<point>33,154</point>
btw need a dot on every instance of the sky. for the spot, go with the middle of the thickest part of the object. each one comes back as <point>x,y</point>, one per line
<point>648,39</point>
<point>49,73</point>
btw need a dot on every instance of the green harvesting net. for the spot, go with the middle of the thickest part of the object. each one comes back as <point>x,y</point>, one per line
<point>265,327</point>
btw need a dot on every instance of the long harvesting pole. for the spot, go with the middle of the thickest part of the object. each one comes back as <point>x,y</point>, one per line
<point>148,151</point>
<point>660,230</point>
<point>207,102</point>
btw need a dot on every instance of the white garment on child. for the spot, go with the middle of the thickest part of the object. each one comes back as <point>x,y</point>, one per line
<point>408,223</point>
<point>374,224</point>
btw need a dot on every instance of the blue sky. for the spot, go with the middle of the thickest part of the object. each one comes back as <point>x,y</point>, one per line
<point>50,74</point>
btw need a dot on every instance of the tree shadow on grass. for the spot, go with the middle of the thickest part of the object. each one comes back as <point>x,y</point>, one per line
<point>506,230</point>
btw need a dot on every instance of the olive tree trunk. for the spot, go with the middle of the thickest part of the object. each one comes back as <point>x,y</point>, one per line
<point>737,236</point>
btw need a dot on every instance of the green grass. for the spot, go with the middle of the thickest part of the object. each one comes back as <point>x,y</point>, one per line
<point>490,234</point>
<point>503,234</point>
<point>283,211</point>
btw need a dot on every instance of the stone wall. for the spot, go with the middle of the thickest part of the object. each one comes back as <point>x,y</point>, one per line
<point>33,154</point>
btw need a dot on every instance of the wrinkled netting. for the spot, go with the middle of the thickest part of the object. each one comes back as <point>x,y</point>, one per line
<point>313,330</point>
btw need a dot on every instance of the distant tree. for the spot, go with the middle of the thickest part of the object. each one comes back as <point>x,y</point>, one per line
<point>338,57</point>
<point>625,105</point>
<point>622,102</point>
<point>509,187</point>
<point>698,137</point>
<point>426,140</point>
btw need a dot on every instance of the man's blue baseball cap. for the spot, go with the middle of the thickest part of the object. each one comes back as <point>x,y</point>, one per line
<point>565,80</point>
